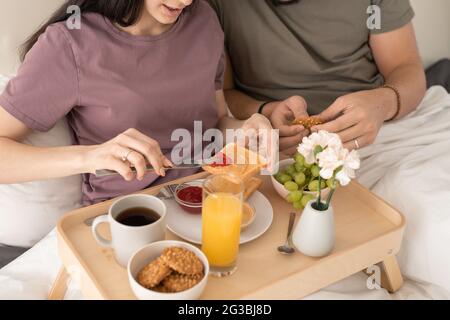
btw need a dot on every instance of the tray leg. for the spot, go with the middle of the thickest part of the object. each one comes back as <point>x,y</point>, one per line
<point>391,276</point>
<point>59,288</point>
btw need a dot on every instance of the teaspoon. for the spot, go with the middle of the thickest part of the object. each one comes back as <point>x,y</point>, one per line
<point>287,249</point>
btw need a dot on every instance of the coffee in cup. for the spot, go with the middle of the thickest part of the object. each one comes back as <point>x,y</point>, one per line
<point>135,221</point>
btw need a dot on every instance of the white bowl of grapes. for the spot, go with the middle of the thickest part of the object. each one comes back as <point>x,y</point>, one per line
<point>298,182</point>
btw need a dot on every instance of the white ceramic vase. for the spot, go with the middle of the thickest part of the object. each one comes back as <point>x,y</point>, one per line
<point>314,234</point>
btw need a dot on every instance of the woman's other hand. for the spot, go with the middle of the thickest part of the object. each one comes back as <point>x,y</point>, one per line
<point>358,117</point>
<point>284,113</point>
<point>129,149</point>
<point>257,122</point>
<point>261,126</point>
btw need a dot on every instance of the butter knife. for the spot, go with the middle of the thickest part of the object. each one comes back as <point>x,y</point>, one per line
<point>149,169</point>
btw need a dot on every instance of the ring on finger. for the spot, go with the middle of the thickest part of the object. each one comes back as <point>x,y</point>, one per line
<point>125,158</point>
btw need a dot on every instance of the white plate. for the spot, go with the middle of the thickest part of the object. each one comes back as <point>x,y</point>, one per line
<point>189,226</point>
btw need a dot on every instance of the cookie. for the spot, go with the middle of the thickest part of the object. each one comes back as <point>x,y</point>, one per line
<point>182,261</point>
<point>180,282</point>
<point>153,274</point>
<point>161,289</point>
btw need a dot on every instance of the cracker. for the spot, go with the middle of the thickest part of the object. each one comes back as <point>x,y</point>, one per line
<point>180,282</point>
<point>182,261</point>
<point>153,273</point>
<point>308,123</point>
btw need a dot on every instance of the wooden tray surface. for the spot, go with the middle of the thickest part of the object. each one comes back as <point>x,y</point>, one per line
<point>367,232</point>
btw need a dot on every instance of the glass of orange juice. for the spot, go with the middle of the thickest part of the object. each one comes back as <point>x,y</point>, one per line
<point>221,222</point>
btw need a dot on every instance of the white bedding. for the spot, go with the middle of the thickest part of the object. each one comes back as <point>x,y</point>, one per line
<point>408,166</point>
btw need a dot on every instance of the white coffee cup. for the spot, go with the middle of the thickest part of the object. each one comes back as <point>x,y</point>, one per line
<point>126,240</point>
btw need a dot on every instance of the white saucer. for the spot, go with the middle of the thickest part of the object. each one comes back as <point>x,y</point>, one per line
<point>189,226</point>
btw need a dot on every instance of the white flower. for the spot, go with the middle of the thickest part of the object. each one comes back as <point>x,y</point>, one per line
<point>350,163</point>
<point>329,161</point>
<point>323,139</point>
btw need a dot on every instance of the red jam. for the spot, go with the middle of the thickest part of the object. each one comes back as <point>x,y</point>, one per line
<point>224,161</point>
<point>192,195</point>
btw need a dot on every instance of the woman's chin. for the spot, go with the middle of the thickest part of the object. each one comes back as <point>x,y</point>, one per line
<point>164,20</point>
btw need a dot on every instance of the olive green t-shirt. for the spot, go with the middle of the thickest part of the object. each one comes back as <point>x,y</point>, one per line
<point>318,49</point>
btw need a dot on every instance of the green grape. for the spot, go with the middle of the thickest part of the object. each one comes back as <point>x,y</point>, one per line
<point>299,205</point>
<point>299,167</point>
<point>315,171</point>
<point>307,198</point>
<point>291,186</point>
<point>332,183</point>
<point>307,165</point>
<point>300,179</point>
<point>290,170</point>
<point>278,177</point>
<point>285,178</point>
<point>299,159</point>
<point>290,198</point>
<point>313,185</point>
<point>296,196</point>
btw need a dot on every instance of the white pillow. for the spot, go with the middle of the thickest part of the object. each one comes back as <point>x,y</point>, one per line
<point>29,211</point>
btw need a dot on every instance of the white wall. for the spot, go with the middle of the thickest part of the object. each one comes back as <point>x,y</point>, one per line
<point>18,19</point>
<point>432,24</point>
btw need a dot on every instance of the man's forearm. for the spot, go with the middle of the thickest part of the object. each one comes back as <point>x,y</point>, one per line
<point>243,106</point>
<point>409,79</point>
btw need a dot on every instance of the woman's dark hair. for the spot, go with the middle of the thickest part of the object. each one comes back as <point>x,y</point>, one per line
<point>123,12</point>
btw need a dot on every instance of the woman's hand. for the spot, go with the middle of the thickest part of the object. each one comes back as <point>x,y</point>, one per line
<point>358,117</point>
<point>282,117</point>
<point>261,126</point>
<point>132,146</point>
<point>257,122</point>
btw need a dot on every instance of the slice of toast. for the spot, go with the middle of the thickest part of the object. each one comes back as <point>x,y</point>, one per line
<point>251,185</point>
<point>244,163</point>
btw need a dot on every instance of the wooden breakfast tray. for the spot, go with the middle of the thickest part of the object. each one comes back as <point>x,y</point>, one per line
<point>368,231</point>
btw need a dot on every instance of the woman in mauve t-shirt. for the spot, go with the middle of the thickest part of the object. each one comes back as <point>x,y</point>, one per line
<point>132,73</point>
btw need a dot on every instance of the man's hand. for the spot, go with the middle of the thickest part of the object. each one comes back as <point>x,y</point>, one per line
<point>358,117</point>
<point>284,113</point>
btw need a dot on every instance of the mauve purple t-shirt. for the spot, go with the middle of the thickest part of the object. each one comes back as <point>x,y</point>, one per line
<point>106,81</point>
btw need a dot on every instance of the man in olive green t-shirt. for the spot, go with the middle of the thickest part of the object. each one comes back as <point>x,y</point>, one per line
<point>324,57</point>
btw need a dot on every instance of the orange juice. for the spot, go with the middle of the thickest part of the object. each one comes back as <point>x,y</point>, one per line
<point>221,227</point>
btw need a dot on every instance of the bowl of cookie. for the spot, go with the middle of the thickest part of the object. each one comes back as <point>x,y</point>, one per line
<point>168,270</point>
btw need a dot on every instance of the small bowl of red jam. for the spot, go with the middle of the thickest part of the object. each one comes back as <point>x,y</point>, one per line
<point>189,196</point>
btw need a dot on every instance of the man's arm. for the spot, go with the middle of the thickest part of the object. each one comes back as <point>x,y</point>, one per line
<point>241,105</point>
<point>398,59</point>
<point>358,117</point>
